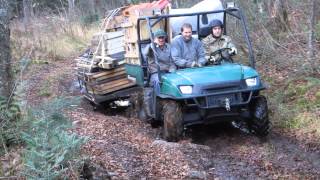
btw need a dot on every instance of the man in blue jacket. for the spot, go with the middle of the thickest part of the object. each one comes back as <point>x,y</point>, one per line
<point>187,51</point>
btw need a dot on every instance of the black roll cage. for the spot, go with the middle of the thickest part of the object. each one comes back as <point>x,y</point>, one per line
<point>158,18</point>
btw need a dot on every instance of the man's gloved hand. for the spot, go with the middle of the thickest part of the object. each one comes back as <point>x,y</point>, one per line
<point>212,59</point>
<point>233,51</point>
<point>172,69</point>
<point>193,64</point>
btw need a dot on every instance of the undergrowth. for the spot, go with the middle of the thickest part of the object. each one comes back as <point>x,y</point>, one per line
<point>50,38</point>
<point>296,105</point>
<point>10,116</point>
<point>52,151</point>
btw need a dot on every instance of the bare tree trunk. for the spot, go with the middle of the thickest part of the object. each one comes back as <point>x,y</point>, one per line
<point>100,9</point>
<point>87,7</point>
<point>311,36</point>
<point>6,81</point>
<point>71,10</point>
<point>127,2</point>
<point>176,4</point>
<point>91,7</point>
<point>27,12</point>
<point>278,11</point>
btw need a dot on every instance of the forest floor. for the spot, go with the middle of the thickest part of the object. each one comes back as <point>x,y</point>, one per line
<point>127,148</point>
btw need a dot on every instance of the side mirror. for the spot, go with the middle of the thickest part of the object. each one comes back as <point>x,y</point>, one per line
<point>204,19</point>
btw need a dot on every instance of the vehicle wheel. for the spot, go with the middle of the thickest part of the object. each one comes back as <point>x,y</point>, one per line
<point>172,121</point>
<point>135,110</point>
<point>259,124</point>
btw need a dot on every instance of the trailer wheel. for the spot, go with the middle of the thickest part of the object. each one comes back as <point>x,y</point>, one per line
<point>172,121</point>
<point>259,124</point>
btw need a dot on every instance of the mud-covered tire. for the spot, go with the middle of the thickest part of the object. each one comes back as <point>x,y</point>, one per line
<point>172,121</point>
<point>259,124</point>
<point>135,110</point>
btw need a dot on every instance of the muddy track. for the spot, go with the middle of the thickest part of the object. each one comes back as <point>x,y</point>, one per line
<point>237,155</point>
<point>207,152</point>
<point>126,148</point>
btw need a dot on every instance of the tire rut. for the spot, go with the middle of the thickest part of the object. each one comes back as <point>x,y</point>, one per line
<point>236,155</point>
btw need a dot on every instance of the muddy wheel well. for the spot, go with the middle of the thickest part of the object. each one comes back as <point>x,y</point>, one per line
<point>172,120</point>
<point>259,124</point>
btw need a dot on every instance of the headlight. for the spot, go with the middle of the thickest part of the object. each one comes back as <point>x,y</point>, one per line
<point>186,89</point>
<point>251,82</point>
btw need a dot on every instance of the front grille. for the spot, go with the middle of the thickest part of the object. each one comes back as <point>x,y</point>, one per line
<point>220,100</point>
<point>221,89</point>
<point>218,95</point>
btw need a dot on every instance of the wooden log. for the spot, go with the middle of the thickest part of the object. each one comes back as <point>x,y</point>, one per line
<point>112,84</point>
<point>104,81</point>
<point>103,73</point>
<point>120,73</point>
<point>130,84</point>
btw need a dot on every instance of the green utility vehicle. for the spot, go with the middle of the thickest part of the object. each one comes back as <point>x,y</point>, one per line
<point>222,91</point>
<point>228,90</point>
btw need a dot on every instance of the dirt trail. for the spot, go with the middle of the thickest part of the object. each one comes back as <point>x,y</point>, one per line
<point>126,148</point>
<point>238,155</point>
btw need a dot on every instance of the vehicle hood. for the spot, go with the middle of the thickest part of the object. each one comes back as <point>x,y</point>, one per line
<point>205,76</point>
<point>210,74</point>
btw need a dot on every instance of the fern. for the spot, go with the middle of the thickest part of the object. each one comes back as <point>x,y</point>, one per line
<point>50,147</point>
<point>313,81</point>
<point>10,115</point>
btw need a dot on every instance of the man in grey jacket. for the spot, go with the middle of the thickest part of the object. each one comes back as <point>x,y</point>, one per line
<point>163,54</point>
<point>162,51</point>
<point>187,51</point>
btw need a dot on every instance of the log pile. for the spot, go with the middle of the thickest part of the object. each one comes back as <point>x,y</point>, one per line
<point>101,69</point>
<point>105,82</point>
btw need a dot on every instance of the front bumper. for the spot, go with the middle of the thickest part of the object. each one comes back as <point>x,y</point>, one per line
<point>221,99</point>
<point>219,106</point>
<point>236,97</point>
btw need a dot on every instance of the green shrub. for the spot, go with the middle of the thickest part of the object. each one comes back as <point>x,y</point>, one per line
<point>45,89</point>
<point>318,97</point>
<point>293,106</point>
<point>50,149</point>
<point>89,19</point>
<point>9,117</point>
<point>318,31</point>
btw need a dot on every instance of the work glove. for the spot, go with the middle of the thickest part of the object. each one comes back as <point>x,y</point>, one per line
<point>172,69</point>
<point>233,51</point>
<point>199,64</point>
<point>211,59</point>
<point>193,64</point>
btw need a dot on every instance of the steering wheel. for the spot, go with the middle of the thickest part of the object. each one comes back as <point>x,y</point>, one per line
<point>224,53</point>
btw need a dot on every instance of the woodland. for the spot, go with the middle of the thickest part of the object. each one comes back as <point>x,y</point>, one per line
<point>48,131</point>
